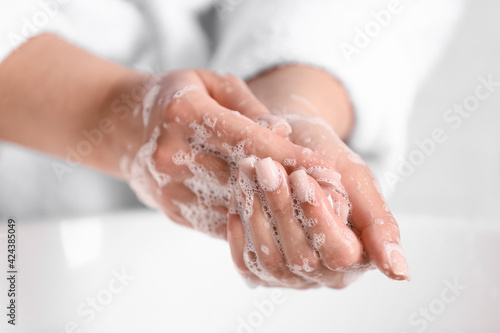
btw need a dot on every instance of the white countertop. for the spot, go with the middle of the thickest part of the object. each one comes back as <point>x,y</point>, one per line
<point>184,281</point>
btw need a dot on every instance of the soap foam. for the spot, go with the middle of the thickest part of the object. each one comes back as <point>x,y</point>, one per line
<point>180,93</point>
<point>140,171</point>
<point>148,103</point>
<point>212,196</point>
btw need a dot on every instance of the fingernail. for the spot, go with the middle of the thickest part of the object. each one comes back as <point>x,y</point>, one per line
<point>340,209</point>
<point>276,124</point>
<point>282,128</point>
<point>247,164</point>
<point>268,174</point>
<point>398,264</point>
<point>302,187</point>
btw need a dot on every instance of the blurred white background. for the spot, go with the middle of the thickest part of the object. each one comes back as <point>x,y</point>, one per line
<point>448,209</point>
<point>462,179</point>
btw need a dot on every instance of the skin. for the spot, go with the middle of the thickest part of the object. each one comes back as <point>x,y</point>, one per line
<point>307,91</point>
<point>312,93</point>
<point>71,91</point>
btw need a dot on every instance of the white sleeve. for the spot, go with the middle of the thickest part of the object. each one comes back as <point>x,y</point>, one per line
<point>380,50</point>
<point>112,29</point>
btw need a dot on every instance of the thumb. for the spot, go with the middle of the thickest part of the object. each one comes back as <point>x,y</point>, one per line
<point>233,93</point>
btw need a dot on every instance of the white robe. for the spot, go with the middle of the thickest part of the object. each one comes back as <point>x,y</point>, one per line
<point>380,50</point>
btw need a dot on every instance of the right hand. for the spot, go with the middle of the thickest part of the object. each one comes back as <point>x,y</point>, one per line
<point>182,149</point>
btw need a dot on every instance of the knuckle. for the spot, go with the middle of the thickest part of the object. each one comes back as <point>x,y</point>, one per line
<point>336,281</point>
<point>280,271</point>
<point>162,158</point>
<point>272,263</point>
<point>174,110</point>
<point>235,231</point>
<point>281,208</point>
<point>337,262</point>
<point>391,223</point>
<point>304,264</point>
<point>202,71</point>
<point>233,79</point>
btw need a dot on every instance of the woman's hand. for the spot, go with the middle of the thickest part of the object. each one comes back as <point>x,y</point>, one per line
<point>174,137</point>
<point>293,231</point>
<point>306,97</point>
<point>182,144</point>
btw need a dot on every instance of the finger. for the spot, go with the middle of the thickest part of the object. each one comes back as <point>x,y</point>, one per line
<point>205,173</point>
<point>371,216</point>
<point>178,160</point>
<point>329,180</point>
<point>196,211</point>
<point>236,238</point>
<point>276,124</point>
<point>264,233</point>
<point>245,197</point>
<point>221,130</point>
<point>195,187</point>
<point>337,245</point>
<point>233,93</point>
<point>214,165</point>
<point>297,249</point>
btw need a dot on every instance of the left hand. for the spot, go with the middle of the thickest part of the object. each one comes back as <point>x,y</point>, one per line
<point>179,149</point>
<point>318,110</point>
<point>292,231</point>
<point>370,216</point>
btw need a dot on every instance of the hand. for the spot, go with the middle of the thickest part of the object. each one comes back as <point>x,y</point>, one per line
<point>371,216</point>
<point>185,114</point>
<point>183,143</point>
<point>293,231</point>
<point>306,97</point>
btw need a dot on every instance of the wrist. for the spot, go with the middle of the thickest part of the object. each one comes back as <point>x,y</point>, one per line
<point>120,121</point>
<point>308,91</point>
<point>55,98</point>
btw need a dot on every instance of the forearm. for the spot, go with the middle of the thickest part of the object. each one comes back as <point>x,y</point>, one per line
<point>305,90</point>
<point>52,91</point>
